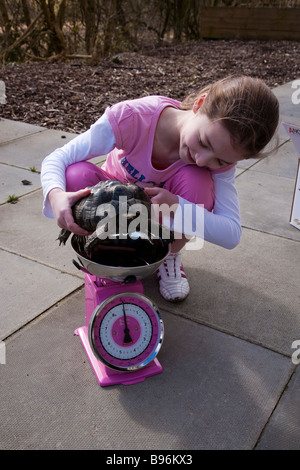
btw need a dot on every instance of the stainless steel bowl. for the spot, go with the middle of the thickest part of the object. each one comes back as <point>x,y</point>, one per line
<point>118,273</point>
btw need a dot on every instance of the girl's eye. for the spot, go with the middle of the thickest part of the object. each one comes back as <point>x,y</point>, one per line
<point>202,144</point>
<point>221,163</point>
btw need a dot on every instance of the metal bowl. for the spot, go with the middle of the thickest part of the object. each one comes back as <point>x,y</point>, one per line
<point>117,273</point>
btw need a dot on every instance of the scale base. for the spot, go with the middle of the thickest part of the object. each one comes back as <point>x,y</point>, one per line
<point>107,376</point>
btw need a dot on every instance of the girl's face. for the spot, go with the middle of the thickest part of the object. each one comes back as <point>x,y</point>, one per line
<point>206,143</point>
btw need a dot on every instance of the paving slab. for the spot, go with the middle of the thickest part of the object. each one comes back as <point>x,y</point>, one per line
<point>27,289</point>
<point>282,432</point>
<point>288,107</point>
<point>11,182</point>
<point>29,151</point>
<point>282,163</point>
<point>11,130</point>
<point>246,164</point>
<point>265,203</point>
<point>215,392</point>
<point>251,292</point>
<point>24,230</point>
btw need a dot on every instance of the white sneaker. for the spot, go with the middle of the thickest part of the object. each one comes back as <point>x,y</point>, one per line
<point>173,284</point>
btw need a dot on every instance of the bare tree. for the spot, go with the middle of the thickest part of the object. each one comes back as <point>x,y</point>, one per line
<point>6,24</point>
<point>89,10</point>
<point>59,29</point>
<point>54,18</point>
<point>26,12</point>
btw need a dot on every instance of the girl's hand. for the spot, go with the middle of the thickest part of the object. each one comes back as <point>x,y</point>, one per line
<point>161,196</point>
<point>61,203</point>
<point>162,200</point>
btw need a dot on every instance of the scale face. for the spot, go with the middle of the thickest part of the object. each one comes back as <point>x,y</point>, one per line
<point>126,331</point>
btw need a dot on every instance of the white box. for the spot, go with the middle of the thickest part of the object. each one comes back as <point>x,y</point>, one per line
<point>294,134</point>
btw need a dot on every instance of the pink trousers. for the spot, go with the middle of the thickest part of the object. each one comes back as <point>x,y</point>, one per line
<point>190,182</point>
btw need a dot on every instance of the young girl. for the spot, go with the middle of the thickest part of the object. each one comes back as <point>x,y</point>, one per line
<point>179,152</point>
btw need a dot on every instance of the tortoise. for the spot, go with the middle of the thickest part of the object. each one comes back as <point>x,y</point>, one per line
<point>118,216</point>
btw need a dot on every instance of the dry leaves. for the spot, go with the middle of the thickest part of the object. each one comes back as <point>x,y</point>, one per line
<point>71,96</point>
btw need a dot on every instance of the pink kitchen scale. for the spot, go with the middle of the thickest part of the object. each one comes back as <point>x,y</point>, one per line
<point>123,329</point>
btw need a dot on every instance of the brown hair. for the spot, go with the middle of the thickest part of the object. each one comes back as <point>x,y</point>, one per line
<point>247,107</point>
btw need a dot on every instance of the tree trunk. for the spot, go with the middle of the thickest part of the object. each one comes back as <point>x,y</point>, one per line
<point>54,22</point>
<point>7,38</point>
<point>26,12</point>
<point>179,13</point>
<point>89,11</point>
<point>5,17</point>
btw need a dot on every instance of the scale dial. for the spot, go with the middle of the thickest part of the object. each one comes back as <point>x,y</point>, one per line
<point>126,331</point>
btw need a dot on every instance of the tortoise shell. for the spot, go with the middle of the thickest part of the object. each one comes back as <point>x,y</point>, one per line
<point>106,202</point>
<point>120,196</point>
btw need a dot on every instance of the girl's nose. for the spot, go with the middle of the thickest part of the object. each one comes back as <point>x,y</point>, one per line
<point>201,160</point>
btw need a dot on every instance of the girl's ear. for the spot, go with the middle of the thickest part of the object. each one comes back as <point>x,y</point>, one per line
<point>198,103</point>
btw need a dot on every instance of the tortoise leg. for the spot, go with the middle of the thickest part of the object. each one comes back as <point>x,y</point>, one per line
<point>63,236</point>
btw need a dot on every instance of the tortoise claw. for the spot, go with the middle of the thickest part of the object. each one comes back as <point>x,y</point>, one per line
<point>63,236</point>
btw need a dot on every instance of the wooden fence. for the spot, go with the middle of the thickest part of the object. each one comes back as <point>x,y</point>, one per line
<point>250,23</point>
